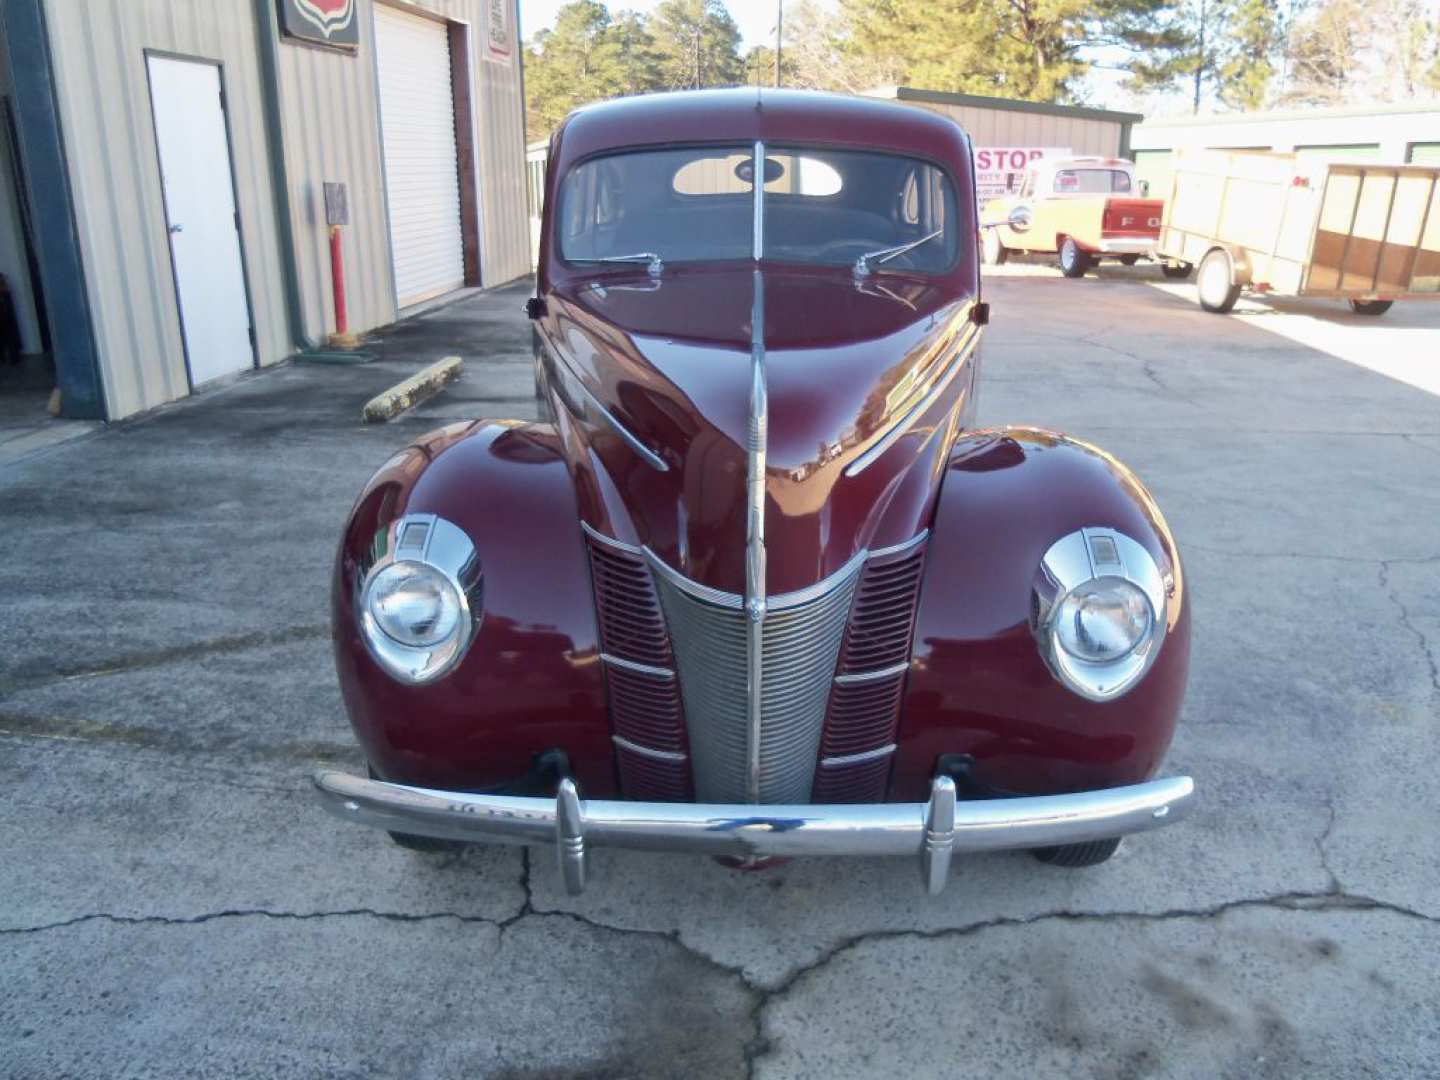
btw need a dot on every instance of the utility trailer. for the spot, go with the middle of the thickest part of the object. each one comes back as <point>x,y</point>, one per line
<point>1291,226</point>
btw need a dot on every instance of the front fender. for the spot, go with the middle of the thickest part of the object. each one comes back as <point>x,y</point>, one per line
<point>978,684</point>
<point>531,679</point>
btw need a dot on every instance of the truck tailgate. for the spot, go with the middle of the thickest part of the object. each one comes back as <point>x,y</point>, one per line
<point>1132,217</point>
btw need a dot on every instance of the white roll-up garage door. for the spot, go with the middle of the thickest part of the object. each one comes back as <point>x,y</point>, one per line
<point>417,122</point>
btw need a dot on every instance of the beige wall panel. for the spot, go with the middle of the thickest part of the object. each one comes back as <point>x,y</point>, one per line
<point>332,132</point>
<point>99,55</point>
<point>331,126</point>
<point>1009,127</point>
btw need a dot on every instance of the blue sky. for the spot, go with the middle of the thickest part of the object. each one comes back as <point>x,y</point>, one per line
<point>756,18</point>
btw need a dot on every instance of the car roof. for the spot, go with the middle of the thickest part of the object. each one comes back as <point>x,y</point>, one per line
<point>747,114</point>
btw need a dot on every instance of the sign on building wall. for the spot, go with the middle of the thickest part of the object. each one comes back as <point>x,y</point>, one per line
<point>1000,170</point>
<point>332,23</point>
<point>499,30</point>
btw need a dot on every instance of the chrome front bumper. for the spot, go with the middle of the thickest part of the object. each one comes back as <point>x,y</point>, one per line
<point>931,831</point>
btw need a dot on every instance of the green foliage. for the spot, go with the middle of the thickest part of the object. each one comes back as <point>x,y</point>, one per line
<point>698,45</point>
<point>1225,50</point>
<point>1033,49</point>
<point>1241,54</point>
<point>1246,59</point>
<point>1327,46</point>
<point>591,55</point>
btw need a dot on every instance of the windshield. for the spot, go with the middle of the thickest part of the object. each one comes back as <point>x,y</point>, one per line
<point>1092,181</point>
<point>822,207</point>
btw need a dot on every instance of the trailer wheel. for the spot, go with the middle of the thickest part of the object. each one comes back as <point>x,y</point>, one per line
<point>1215,284</point>
<point>992,251</point>
<point>1177,271</point>
<point>1129,260</point>
<point>1073,261</point>
<point>1370,307</point>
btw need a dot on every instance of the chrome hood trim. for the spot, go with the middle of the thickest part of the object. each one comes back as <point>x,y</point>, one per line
<point>755,502</point>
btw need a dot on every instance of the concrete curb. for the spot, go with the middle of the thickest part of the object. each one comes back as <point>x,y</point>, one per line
<point>408,393</point>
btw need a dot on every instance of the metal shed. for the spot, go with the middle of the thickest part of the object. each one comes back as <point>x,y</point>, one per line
<point>1003,122</point>
<point>101,168</point>
<point>1389,134</point>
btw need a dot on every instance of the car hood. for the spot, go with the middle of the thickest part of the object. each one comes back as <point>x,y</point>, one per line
<point>669,360</point>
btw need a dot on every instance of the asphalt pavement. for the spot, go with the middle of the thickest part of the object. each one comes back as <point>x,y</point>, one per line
<point>172,902</point>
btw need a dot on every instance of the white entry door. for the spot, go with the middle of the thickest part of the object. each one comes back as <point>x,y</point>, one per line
<point>200,207</point>
<point>422,177</point>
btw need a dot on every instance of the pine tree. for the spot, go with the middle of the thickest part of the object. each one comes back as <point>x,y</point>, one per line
<point>1032,49</point>
<point>698,45</point>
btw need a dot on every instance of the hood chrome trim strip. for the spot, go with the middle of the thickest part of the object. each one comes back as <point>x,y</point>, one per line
<point>755,490</point>
<point>969,338</point>
<point>593,402</point>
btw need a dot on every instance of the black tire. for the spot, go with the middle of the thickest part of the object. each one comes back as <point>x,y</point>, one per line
<point>418,843</point>
<point>992,251</point>
<point>1073,261</point>
<point>1215,286</point>
<point>1176,271</point>
<point>1129,260</point>
<point>1074,855</point>
<point>1370,307</point>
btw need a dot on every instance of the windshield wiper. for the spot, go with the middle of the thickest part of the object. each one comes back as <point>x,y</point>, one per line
<point>655,266</point>
<point>862,264</point>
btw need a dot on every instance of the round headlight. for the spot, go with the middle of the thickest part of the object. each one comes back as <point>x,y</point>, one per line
<point>1103,620</point>
<point>414,604</point>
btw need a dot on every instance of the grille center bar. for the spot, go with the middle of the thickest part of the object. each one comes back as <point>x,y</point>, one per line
<point>755,490</point>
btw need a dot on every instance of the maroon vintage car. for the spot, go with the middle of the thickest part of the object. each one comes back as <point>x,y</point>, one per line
<point>759,587</point>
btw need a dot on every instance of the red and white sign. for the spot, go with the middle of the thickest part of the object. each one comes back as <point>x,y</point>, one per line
<point>1000,170</point>
<point>499,30</point>
<point>321,22</point>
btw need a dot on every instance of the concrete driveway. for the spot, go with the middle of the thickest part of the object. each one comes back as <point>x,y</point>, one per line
<point>171,901</point>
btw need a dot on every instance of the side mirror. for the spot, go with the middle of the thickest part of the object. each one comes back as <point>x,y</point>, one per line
<point>1144,189</point>
<point>1020,218</point>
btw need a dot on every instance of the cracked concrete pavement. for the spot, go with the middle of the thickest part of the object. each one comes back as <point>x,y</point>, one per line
<point>171,901</point>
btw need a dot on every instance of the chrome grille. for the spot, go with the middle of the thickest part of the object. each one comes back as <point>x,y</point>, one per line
<point>644,696</point>
<point>803,634</point>
<point>864,711</point>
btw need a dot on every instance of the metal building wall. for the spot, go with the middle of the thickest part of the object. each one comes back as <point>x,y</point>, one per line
<point>98,50</point>
<point>1392,129</point>
<point>330,131</point>
<point>331,122</point>
<point>12,236</point>
<point>1001,122</point>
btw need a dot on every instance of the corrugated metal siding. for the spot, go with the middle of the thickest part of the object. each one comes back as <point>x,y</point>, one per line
<point>500,116</point>
<point>99,56</point>
<point>1004,127</point>
<point>331,131</point>
<point>330,118</point>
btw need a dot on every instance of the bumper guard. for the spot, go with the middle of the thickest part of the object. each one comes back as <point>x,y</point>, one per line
<point>931,831</point>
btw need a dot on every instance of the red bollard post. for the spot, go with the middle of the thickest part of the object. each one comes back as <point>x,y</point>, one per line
<point>342,338</point>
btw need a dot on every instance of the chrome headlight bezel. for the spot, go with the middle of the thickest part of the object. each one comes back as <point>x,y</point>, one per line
<point>443,548</point>
<point>1094,555</point>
